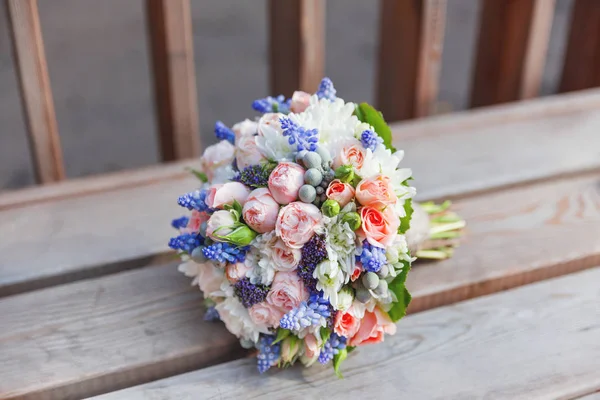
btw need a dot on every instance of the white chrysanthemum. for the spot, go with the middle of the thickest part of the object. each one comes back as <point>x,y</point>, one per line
<point>341,241</point>
<point>260,259</point>
<point>237,319</point>
<point>330,279</point>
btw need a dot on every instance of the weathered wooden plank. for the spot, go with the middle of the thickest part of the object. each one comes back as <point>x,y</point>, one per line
<point>581,68</point>
<point>88,337</point>
<point>410,53</point>
<point>536,342</point>
<point>296,45</point>
<point>479,153</point>
<point>36,94</point>
<point>172,51</point>
<point>511,50</point>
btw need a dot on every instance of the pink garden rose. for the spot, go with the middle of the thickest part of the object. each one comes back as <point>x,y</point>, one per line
<point>215,156</point>
<point>284,257</point>
<point>311,346</point>
<point>300,101</point>
<point>350,155</point>
<point>269,122</point>
<point>196,219</point>
<point>376,192</point>
<point>287,291</point>
<point>246,127</point>
<point>265,314</point>
<point>373,327</point>
<point>222,194</point>
<point>341,192</point>
<point>380,228</point>
<point>237,271</point>
<point>285,181</point>
<point>247,152</point>
<point>297,223</point>
<point>219,225</point>
<point>260,210</point>
<point>210,278</point>
<point>346,323</point>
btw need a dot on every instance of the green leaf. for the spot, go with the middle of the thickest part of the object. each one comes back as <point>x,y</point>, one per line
<point>200,175</point>
<point>281,334</point>
<point>405,221</point>
<point>366,113</point>
<point>337,361</point>
<point>397,286</point>
<point>350,349</point>
<point>325,334</point>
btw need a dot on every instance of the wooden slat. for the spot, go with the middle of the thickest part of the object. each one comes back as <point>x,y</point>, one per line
<point>581,68</point>
<point>514,237</point>
<point>476,158</point>
<point>536,342</point>
<point>296,45</point>
<point>176,103</point>
<point>511,50</point>
<point>36,94</point>
<point>410,54</point>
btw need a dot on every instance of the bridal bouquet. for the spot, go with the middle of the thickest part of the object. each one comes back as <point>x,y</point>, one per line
<point>297,233</point>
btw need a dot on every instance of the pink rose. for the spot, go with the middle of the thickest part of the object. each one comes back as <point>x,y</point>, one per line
<point>247,152</point>
<point>285,258</point>
<point>219,225</point>
<point>221,194</point>
<point>287,291</point>
<point>215,156</point>
<point>260,210</point>
<point>245,128</point>
<point>373,326</point>
<point>346,323</point>
<point>350,155</point>
<point>210,278</point>
<point>270,123</point>
<point>196,219</point>
<point>265,314</point>
<point>285,181</point>
<point>300,101</point>
<point>237,271</point>
<point>297,223</point>
<point>358,269</point>
<point>311,346</point>
<point>380,228</point>
<point>341,192</point>
<point>376,192</point>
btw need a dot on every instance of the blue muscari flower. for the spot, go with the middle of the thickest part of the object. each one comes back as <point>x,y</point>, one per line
<point>211,314</point>
<point>304,139</point>
<point>370,139</point>
<point>272,104</point>
<point>225,252</point>
<point>311,312</point>
<point>332,347</point>
<point>326,90</point>
<point>222,132</point>
<point>372,258</point>
<point>186,242</point>
<point>268,353</point>
<point>194,200</point>
<point>179,223</point>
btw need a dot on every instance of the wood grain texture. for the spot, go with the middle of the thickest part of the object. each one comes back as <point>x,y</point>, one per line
<point>536,342</point>
<point>410,52</point>
<point>476,159</point>
<point>36,94</point>
<point>581,68</point>
<point>172,54</point>
<point>296,45</point>
<point>88,337</point>
<point>511,50</point>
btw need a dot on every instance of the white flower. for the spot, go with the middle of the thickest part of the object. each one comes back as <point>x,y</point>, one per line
<point>330,279</point>
<point>237,319</point>
<point>341,241</point>
<point>344,300</point>
<point>223,174</point>
<point>270,140</point>
<point>260,259</point>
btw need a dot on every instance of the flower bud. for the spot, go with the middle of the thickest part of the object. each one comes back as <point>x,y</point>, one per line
<point>345,173</point>
<point>240,236</point>
<point>330,208</point>
<point>289,348</point>
<point>353,220</point>
<point>344,299</point>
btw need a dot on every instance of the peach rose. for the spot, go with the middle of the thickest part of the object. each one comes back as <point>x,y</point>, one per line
<point>358,269</point>
<point>346,323</point>
<point>373,326</point>
<point>376,192</point>
<point>287,291</point>
<point>215,156</point>
<point>247,152</point>
<point>221,194</point>
<point>297,223</point>
<point>350,155</point>
<point>341,192</point>
<point>210,278</point>
<point>265,314</point>
<point>285,181</point>
<point>245,128</point>
<point>219,224</point>
<point>237,271</point>
<point>285,258</point>
<point>270,122</point>
<point>311,346</point>
<point>260,210</point>
<point>300,101</point>
<point>196,219</point>
<point>380,228</point>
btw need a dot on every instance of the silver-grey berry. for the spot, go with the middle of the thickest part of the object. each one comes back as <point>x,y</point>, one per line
<point>312,160</point>
<point>198,256</point>
<point>370,280</point>
<point>382,288</point>
<point>313,177</point>
<point>320,190</point>
<point>307,193</point>
<point>363,295</point>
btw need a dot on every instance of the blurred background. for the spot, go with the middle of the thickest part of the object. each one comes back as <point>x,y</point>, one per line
<point>98,61</point>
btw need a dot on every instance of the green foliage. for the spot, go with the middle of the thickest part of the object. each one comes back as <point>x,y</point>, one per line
<point>337,361</point>
<point>281,334</point>
<point>200,175</point>
<point>366,113</point>
<point>405,221</point>
<point>325,334</point>
<point>398,286</point>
